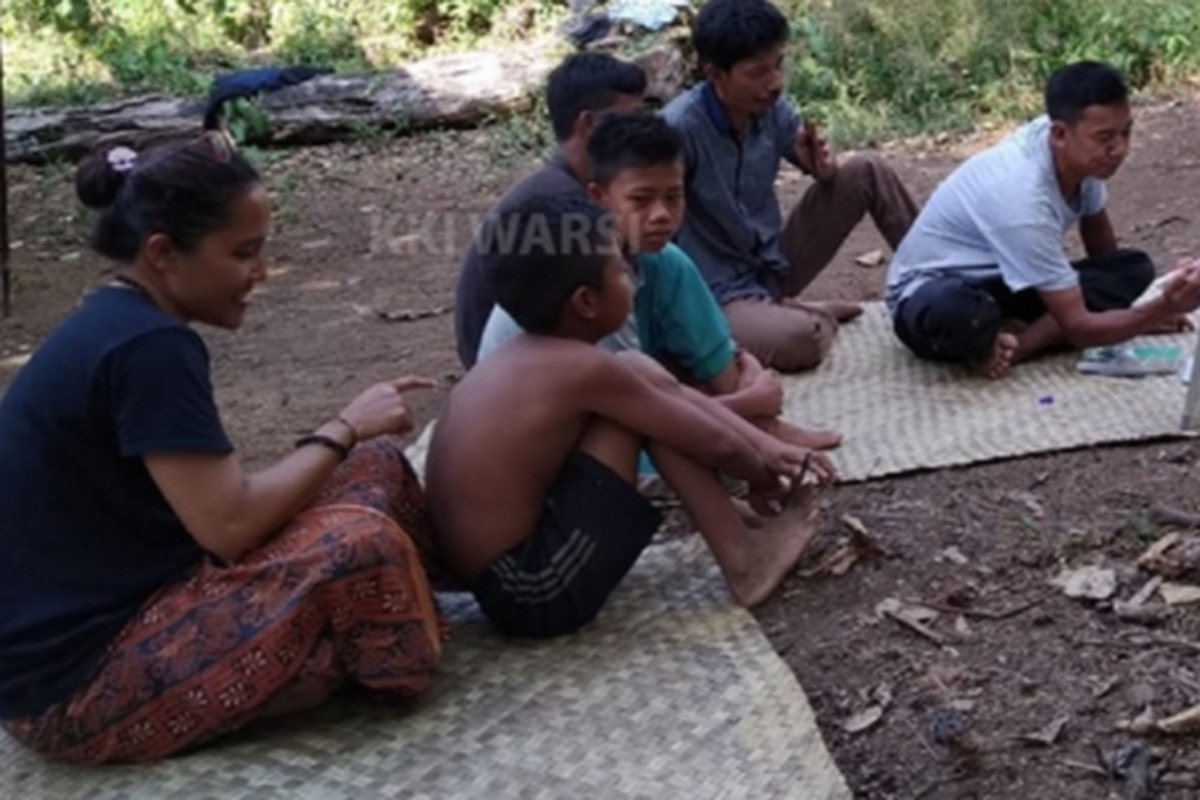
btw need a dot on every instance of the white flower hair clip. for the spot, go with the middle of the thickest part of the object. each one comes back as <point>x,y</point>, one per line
<point>122,159</point>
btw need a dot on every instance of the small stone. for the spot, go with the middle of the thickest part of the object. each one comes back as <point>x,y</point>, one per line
<point>952,555</point>
<point>1140,695</point>
<point>1088,583</point>
<point>1180,780</point>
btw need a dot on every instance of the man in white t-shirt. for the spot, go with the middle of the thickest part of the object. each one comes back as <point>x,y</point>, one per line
<point>982,278</point>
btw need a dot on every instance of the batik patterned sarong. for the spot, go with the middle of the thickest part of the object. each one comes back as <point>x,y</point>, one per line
<point>338,596</point>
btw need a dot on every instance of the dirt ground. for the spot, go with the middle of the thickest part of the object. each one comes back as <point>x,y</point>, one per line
<point>364,258</point>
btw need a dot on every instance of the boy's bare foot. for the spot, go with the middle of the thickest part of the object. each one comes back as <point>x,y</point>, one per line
<point>750,517</point>
<point>811,438</point>
<point>1000,361</point>
<point>775,549</point>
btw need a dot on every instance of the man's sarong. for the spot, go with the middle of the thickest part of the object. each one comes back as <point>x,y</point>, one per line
<point>338,596</point>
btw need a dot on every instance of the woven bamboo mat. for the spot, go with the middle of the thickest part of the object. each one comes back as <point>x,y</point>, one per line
<point>672,693</point>
<point>900,414</point>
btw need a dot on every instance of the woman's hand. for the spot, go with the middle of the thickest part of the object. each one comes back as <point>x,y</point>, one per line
<point>382,408</point>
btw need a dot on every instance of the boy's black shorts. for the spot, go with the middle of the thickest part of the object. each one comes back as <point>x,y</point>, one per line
<point>593,527</point>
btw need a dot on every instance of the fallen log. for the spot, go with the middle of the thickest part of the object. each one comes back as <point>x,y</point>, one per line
<point>450,91</point>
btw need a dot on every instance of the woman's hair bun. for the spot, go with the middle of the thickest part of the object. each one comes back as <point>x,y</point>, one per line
<point>101,176</point>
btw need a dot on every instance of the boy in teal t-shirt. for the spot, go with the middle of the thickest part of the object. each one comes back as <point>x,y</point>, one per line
<point>674,320</point>
<point>637,174</point>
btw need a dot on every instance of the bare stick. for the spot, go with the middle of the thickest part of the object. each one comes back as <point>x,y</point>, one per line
<point>991,615</point>
<point>1142,641</point>
<point>1168,515</point>
<point>916,627</point>
<point>1092,768</point>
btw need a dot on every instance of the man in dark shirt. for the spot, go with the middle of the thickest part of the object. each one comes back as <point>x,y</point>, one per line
<point>737,126</point>
<point>580,88</point>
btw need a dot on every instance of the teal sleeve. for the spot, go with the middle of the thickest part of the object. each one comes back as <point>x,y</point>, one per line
<point>687,326</point>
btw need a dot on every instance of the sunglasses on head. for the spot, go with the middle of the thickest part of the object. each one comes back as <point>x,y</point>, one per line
<point>219,144</point>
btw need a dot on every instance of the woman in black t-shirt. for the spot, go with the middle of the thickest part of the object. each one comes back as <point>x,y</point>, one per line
<point>152,594</point>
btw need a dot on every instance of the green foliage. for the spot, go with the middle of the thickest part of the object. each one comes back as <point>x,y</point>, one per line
<point>315,34</point>
<point>518,138</point>
<point>884,67</point>
<point>246,120</point>
<point>88,49</point>
<point>868,68</point>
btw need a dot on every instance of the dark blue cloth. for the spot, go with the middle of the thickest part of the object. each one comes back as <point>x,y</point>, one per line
<point>249,82</point>
<point>85,535</point>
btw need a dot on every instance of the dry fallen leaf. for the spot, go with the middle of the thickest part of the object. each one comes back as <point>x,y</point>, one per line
<point>863,720</point>
<point>1179,594</point>
<point>837,560</point>
<point>1047,735</point>
<point>855,525</point>
<point>912,613</point>
<point>943,676</point>
<point>913,617</point>
<point>953,555</point>
<point>1173,556</point>
<point>873,258</point>
<point>1184,722</point>
<point>1157,549</point>
<point>1031,502</point>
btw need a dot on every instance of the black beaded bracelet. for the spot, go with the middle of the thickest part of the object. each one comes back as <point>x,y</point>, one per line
<point>324,441</point>
<point>353,430</point>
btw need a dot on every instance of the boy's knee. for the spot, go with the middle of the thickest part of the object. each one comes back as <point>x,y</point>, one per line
<point>804,342</point>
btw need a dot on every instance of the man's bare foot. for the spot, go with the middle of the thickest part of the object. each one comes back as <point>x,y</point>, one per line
<point>1179,323</point>
<point>775,549</point>
<point>1000,361</point>
<point>811,438</point>
<point>1013,326</point>
<point>840,310</point>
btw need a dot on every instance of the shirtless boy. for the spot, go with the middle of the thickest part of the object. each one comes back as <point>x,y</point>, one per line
<point>532,468</point>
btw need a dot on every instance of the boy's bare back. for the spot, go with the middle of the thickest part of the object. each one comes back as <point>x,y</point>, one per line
<point>505,433</point>
<point>513,421</point>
